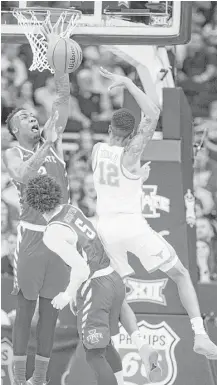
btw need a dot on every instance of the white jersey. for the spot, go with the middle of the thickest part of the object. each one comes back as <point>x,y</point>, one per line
<point>118,191</point>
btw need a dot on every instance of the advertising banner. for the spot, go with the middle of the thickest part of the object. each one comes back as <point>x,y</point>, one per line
<point>164,207</point>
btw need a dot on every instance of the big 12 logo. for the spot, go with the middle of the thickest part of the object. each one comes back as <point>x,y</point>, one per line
<point>6,364</point>
<point>162,338</point>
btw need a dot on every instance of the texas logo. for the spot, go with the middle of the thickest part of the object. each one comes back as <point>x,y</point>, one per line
<point>159,336</point>
<point>151,202</point>
<point>6,364</point>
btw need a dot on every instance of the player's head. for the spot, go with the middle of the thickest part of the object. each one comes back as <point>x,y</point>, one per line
<point>23,125</point>
<point>43,194</point>
<point>122,124</point>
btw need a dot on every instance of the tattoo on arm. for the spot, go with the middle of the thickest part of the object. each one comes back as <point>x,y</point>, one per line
<point>33,164</point>
<point>61,103</point>
<point>22,171</point>
<point>141,137</point>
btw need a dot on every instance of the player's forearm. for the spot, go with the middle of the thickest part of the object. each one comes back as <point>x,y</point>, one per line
<point>76,280</point>
<point>30,168</point>
<point>144,102</point>
<point>61,103</point>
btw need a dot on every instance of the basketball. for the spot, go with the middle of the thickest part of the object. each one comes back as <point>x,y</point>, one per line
<point>65,55</point>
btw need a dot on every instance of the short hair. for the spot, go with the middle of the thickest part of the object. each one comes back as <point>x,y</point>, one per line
<point>9,118</point>
<point>123,122</point>
<point>43,193</point>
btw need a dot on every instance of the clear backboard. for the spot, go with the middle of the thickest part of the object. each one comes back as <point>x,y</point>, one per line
<point>156,23</point>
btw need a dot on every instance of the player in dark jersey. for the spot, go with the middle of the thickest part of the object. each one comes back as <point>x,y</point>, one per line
<point>95,287</point>
<point>37,271</point>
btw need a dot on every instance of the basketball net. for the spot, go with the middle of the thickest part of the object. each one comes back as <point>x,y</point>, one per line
<point>28,19</point>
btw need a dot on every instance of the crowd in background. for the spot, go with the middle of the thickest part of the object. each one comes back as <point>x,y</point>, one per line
<point>91,108</point>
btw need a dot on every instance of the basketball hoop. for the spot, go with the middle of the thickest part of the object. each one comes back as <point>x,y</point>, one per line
<point>32,19</point>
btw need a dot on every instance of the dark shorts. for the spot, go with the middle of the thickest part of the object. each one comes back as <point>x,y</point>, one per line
<point>99,303</point>
<point>38,271</point>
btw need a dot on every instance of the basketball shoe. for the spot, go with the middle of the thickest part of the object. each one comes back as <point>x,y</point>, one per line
<point>203,345</point>
<point>149,358</point>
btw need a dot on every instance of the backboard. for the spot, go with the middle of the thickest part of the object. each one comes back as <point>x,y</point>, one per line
<point>156,23</point>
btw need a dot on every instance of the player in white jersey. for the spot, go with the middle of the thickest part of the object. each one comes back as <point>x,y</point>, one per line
<point>121,225</point>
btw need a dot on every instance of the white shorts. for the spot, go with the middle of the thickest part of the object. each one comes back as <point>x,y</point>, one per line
<point>124,233</point>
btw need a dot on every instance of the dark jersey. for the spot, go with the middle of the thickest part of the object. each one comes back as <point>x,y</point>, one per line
<point>54,167</point>
<point>89,244</point>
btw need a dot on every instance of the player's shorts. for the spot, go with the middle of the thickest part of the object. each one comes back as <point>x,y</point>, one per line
<point>124,233</point>
<point>37,270</point>
<point>99,302</point>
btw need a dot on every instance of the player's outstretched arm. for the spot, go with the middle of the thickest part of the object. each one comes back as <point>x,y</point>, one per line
<point>145,103</point>
<point>21,171</point>
<point>61,104</point>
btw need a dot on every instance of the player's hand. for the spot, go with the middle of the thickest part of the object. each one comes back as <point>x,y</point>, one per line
<point>61,300</point>
<point>51,132</point>
<point>145,171</point>
<point>51,34</point>
<point>117,80</point>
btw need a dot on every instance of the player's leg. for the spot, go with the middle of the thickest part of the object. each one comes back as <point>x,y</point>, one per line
<point>28,272</point>
<point>159,254</point>
<point>148,355</point>
<point>21,330</point>
<point>187,294</point>
<point>156,253</point>
<point>94,302</point>
<point>111,234</point>
<point>45,337</point>
<point>114,360</point>
<point>103,372</point>
<point>56,279</point>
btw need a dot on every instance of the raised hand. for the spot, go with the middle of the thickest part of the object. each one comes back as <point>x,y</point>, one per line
<point>51,34</point>
<point>117,80</point>
<point>50,129</point>
<point>145,171</point>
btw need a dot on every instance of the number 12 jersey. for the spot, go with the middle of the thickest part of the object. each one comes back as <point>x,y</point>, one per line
<point>118,191</point>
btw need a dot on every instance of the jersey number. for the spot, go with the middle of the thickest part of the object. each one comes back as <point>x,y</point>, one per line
<point>42,170</point>
<point>85,229</point>
<point>108,174</point>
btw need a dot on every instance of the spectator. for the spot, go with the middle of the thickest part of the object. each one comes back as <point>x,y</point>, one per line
<point>76,191</point>
<point>203,254</point>
<point>210,29</point>
<point>88,203</point>
<point>94,105</point>
<point>25,98</point>
<point>8,92</point>
<point>10,58</point>
<point>45,96</point>
<point>199,69</point>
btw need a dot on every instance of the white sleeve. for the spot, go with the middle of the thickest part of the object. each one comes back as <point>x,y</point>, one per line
<point>62,241</point>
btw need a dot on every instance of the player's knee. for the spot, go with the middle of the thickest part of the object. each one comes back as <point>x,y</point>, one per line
<point>178,272</point>
<point>114,359</point>
<point>25,307</point>
<point>94,354</point>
